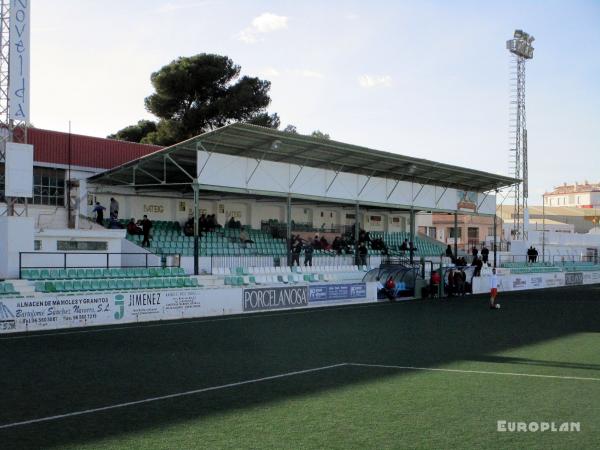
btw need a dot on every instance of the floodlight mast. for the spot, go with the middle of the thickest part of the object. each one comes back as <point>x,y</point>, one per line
<point>521,50</point>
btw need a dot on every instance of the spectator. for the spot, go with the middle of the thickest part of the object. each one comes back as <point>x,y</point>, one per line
<point>133,229</point>
<point>296,250</point>
<point>449,253</point>
<point>231,223</point>
<point>114,208</point>
<point>404,246</point>
<point>478,265</point>
<point>188,228</point>
<point>362,254</point>
<point>337,245</point>
<point>450,288</point>
<point>390,289</point>
<point>324,243</point>
<point>459,284</point>
<point>535,254</point>
<point>530,254</point>
<point>484,254</point>
<point>146,225</point>
<point>114,224</point>
<point>245,238</point>
<point>308,254</point>
<point>99,210</point>
<point>316,243</point>
<point>412,249</point>
<point>202,224</point>
<point>474,252</point>
<point>436,279</point>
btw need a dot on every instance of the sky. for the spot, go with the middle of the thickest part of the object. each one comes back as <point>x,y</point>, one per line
<point>428,79</point>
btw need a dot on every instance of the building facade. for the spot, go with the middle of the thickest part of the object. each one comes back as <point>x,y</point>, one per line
<point>578,195</point>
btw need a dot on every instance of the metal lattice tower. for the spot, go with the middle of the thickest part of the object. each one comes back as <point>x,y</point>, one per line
<point>521,50</point>
<point>10,130</point>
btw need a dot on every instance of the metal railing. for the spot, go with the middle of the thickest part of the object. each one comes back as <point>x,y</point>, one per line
<point>94,260</point>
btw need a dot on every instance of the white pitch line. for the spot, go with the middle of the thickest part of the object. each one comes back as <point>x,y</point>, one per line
<point>481,372</point>
<point>199,320</point>
<point>169,396</point>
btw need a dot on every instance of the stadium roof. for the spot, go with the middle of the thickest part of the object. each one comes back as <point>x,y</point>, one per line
<point>175,166</point>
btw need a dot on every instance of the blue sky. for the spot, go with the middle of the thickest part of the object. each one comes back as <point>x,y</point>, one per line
<point>423,78</point>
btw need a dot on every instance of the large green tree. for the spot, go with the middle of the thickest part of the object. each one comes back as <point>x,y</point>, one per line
<point>197,94</point>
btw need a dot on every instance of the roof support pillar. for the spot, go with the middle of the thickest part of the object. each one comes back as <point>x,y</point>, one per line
<point>456,234</point>
<point>196,189</point>
<point>357,258</point>
<point>288,223</point>
<point>494,249</point>
<point>412,233</point>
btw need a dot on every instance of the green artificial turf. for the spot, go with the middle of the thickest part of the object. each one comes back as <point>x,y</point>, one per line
<point>552,333</point>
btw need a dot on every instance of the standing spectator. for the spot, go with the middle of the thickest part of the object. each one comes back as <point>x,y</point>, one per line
<point>202,224</point>
<point>535,254</point>
<point>404,246</point>
<point>390,289</point>
<point>146,225</point>
<point>459,284</point>
<point>114,208</point>
<point>296,250</point>
<point>474,252</point>
<point>362,254</point>
<point>337,245</point>
<point>478,265</point>
<point>484,254</point>
<point>308,254</point>
<point>231,223</point>
<point>436,279</point>
<point>99,210</point>
<point>412,249</point>
<point>449,253</point>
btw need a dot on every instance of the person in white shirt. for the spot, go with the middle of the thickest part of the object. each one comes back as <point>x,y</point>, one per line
<point>493,290</point>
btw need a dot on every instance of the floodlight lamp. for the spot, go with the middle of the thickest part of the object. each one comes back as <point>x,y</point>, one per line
<point>275,145</point>
<point>518,34</point>
<point>531,39</point>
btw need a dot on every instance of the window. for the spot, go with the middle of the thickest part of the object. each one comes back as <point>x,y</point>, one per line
<point>473,233</point>
<point>37,245</point>
<point>451,232</point>
<point>48,186</point>
<point>375,218</point>
<point>81,246</point>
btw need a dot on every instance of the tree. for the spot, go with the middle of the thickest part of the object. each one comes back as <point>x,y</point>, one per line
<point>200,93</point>
<point>319,134</point>
<point>135,133</point>
<point>291,129</point>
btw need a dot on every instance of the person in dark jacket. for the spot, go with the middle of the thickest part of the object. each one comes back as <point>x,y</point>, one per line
<point>99,210</point>
<point>484,254</point>
<point>146,225</point>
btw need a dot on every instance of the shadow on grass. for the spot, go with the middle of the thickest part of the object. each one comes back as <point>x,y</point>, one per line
<point>58,374</point>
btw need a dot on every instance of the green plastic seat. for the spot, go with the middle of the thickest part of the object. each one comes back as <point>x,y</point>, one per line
<point>49,286</point>
<point>114,273</point>
<point>62,274</point>
<point>53,273</point>
<point>77,285</point>
<point>135,283</point>
<point>130,272</point>
<point>60,286</point>
<point>144,283</point>
<point>128,283</point>
<point>44,274</point>
<point>68,286</point>
<point>95,285</point>
<point>112,284</point>
<point>137,272</point>
<point>103,285</point>
<point>121,283</point>
<point>179,282</point>
<point>98,273</point>
<point>39,286</point>
<point>80,274</point>
<point>86,285</point>
<point>89,273</point>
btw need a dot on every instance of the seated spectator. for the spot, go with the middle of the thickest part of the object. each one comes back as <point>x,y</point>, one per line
<point>337,245</point>
<point>245,238</point>
<point>114,224</point>
<point>390,289</point>
<point>324,243</point>
<point>133,229</point>
<point>202,224</point>
<point>404,246</point>
<point>316,243</point>
<point>231,222</point>
<point>459,284</point>
<point>188,228</point>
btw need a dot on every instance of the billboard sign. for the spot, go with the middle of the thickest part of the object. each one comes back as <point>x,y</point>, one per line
<point>18,90</point>
<point>264,299</point>
<point>19,170</point>
<point>573,278</point>
<point>337,292</point>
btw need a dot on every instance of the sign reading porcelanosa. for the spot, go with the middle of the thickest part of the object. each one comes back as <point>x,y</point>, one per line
<point>263,299</point>
<point>337,292</point>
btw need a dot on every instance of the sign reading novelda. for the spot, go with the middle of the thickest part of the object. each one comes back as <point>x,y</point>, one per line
<point>18,91</point>
<point>262,299</point>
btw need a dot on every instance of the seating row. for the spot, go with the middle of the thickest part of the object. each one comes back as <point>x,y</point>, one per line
<point>7,289</point>
<point>115,284</point>
<point>286,270</point>
<point>245,280</point>
<point>129,272</point>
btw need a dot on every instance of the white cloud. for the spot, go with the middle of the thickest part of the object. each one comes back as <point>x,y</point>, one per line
<point>311,74</point>
<point>371,81</point>
<point>269,72</point>
<point>265,23</point>
<point>351,16</point>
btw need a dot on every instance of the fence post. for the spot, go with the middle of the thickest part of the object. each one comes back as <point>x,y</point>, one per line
<point>107,260</point>
<point>146,260</point>
<point>65,261</point>
<point>19,265</point>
